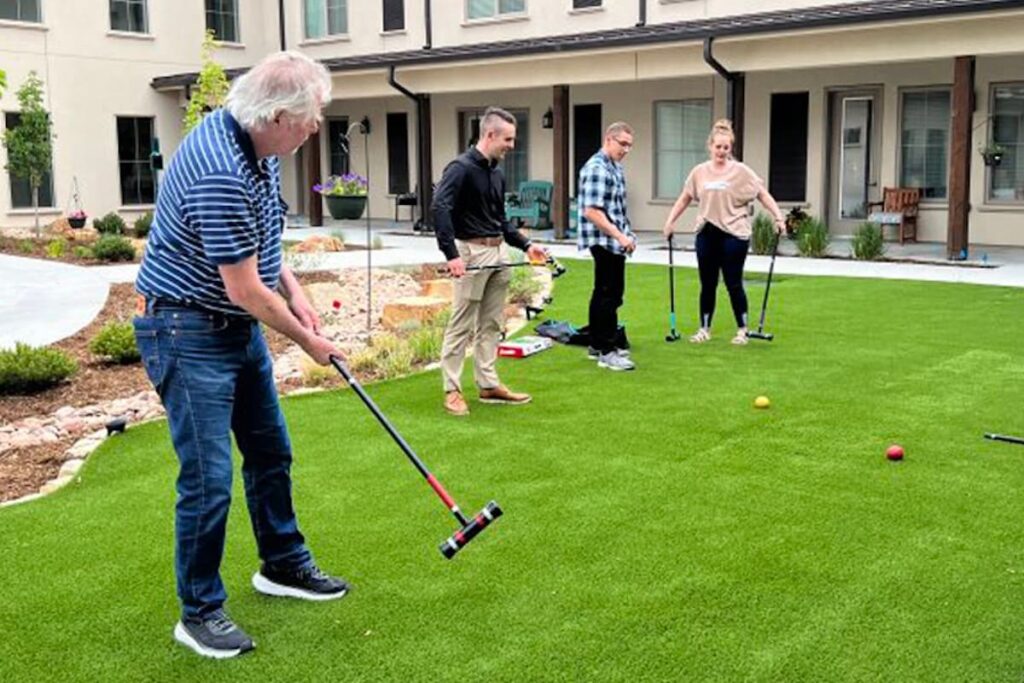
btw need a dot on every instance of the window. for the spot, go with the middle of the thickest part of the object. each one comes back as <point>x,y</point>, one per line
<point>1006,181</point>
<point>326,18</point>
<point>21,188</point>
<point>134,144</point>
<point>128,15</point>
<point>222,19</point>
<point>394,15</point>
<point>483,9</point>
<point>338,146</point>
<point>580,4</point>
<point>680,138</point>
<point>398,153</point>
<point>516,164</point>
<point>21,10</point>
<point>787,157</point>
<point>924,141</point>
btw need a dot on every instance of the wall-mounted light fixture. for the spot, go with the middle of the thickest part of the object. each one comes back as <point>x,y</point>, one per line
<point>548,120</point>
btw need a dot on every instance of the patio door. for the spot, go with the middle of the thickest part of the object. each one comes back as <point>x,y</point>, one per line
<point>854,152</point>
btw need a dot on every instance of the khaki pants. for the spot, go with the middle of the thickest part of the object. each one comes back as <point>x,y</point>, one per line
<point>478,315</point>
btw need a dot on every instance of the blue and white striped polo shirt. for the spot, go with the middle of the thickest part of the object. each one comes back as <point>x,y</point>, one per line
<point>217,205</point>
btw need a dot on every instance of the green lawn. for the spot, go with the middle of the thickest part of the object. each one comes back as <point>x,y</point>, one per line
<point>657,526</point>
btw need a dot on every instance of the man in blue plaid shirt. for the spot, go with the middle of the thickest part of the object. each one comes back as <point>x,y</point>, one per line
<point>605,230</point>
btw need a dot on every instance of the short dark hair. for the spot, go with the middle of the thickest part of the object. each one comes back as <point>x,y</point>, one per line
<point>492,114</point>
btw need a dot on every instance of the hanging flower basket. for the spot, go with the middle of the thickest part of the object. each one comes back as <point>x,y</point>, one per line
<point>76,219</point>
<point>992,154</point>
<point>345,207</point>
<point>345,195</point>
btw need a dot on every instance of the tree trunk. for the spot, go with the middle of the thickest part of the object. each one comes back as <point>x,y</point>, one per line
<point>35,206</point>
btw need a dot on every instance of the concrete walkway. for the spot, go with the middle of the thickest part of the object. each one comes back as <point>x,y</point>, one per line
<point>42,302</point>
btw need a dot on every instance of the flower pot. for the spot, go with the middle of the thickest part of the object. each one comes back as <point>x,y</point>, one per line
<point>345,206</point>
<point>76,223</point>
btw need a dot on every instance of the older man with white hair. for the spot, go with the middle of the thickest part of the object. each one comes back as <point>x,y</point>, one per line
<point>212,273</point>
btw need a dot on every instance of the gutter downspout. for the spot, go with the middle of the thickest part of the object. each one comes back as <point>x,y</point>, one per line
<point>424,149</point>
<point>428,25</point>
<point>280,23</point>
<point>642,21</point>
<point>734,95</point>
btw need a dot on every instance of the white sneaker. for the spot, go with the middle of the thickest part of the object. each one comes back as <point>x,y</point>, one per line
<point>613,360</point>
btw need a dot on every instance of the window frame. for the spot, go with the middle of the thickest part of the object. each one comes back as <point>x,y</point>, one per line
<point>18,4</point>
<point>901,93</point>
<point>145,17</point>
<point>989,200</point>
<point>236,21</point>
<point>384,18</point>
<point>144,162</point>
<point>654,138</point>
<point>326,18</point>
<point>48,176</point>
<point>497,15</point>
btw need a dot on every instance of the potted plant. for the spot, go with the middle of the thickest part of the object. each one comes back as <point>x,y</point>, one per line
<point>345,195</point>
<point>992,153</point>
<point>77,218</point>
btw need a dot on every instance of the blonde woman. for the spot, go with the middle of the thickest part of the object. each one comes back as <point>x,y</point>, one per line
<point>724,189</point>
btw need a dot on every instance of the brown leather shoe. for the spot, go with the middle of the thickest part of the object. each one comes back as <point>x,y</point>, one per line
<point>455,404</point>
<point>501,395</point>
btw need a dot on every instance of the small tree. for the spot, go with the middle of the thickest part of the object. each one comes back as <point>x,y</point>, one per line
<point>30,143</point>
<point>211,86</point>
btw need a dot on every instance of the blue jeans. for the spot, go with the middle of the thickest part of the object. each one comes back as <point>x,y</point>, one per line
<point>215,376</point>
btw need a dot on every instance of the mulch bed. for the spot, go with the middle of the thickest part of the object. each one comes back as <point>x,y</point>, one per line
<point>24,470</point>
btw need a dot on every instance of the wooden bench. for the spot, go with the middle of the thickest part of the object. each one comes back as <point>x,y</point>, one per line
<point>899,207</point>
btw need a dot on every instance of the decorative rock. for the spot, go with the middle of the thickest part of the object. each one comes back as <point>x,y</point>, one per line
<point>71,467</point>
<point>319,243</point>
<point>66,411</point>
<point>442,289</point>
<point>54,484</point>
<point>421,308</point>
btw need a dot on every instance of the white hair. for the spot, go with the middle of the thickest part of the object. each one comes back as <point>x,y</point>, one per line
<point>281,83</point>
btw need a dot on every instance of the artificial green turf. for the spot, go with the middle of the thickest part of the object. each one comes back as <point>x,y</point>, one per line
<point>657,526</point>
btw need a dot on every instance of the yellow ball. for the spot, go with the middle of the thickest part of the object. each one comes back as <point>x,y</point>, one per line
<point>762,402</point>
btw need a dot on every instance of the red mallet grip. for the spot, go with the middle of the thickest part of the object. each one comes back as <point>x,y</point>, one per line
<point>463,536</point>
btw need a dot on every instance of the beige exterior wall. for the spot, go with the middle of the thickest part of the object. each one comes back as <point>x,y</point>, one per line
<point>93,75</point>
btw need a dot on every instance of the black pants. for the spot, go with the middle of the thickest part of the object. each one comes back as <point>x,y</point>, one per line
<point>609,285</point>
<point>717,250</point>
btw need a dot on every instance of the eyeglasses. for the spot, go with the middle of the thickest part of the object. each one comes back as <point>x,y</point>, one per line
<point>624,145</point>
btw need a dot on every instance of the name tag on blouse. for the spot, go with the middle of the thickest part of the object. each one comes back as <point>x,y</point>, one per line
<point>716,185</point>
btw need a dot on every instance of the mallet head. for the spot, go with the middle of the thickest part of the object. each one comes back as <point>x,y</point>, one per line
<point>672,336</point>
<point>559,269</point>
<point>463,536</point>
<point>766,336</point>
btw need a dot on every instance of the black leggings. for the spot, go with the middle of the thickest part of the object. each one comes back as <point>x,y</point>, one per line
<point>718,250</point>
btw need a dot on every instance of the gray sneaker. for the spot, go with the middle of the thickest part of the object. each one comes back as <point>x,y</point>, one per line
<point>213,635</point>
<point>613,360</point>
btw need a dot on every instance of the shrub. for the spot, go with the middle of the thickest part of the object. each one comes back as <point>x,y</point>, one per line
<point>318,375</point>
<point>425,344</point>
<point>142,224</point>
<point>762,237</point>
<point>28,368</point>
<point>523,286</point>
<point>116,343</point>
<point>83,252</point>
<point>113,248</point>
<point>397,363</point>
<point>26,246</point>
<point>111,224</point>
<point>868,244</point>
<point>56,248</point>
<point>813,238</point>
<point>363,361</point>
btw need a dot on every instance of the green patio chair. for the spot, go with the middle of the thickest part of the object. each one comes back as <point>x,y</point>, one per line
<point>531,206</point>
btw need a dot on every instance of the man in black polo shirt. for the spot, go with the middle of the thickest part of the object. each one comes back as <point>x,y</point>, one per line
<point>472,230</point>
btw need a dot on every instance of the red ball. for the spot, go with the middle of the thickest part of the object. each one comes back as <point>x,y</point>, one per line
<point>894,452</point>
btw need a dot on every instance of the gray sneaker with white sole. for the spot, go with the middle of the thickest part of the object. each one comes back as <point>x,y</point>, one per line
<point>213,635</point>
<point>613,360</point>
